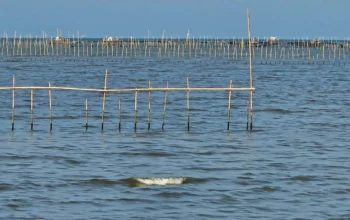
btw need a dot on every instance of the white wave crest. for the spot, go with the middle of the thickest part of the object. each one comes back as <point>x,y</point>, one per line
<point>162,181</point>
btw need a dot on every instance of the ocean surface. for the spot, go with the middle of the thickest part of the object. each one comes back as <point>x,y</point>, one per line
<point>294,164</point>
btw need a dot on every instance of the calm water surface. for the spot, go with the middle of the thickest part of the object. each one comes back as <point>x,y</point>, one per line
<point>295,164</point>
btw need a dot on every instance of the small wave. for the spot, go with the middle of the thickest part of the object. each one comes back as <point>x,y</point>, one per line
<point>303,178</point>
<point>265,189</point>
<point>137,182</point>
<point>173,194</point>
<point>275,110</point>
<point>96,181</point>
<point>71,161</point>
<point>4,188</point>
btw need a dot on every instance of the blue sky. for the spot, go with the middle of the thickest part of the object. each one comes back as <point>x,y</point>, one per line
<point>215,18</point>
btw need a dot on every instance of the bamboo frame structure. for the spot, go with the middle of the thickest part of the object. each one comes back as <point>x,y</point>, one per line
<point>190,45</point>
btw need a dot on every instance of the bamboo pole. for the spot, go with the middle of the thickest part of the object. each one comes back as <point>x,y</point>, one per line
<point>120,114</point>
<point>247,115</point>
<point>31,109</point>
<point>250,71</point>
<point>188,105</point>
<point>135,112</point>
<point>104,100</point>
<point>149,106</point>
<point>122,90</point>
<point>50,103</point>
<point>229,107</point>
<point>86,115</point>
<point>165,101</point>
<point>13,102</point>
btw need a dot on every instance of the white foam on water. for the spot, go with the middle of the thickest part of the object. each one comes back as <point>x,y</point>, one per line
<point>162,181</point>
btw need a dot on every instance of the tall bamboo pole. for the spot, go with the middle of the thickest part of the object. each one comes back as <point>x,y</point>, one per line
<point>104,100</point>
<point>229,107</point>
<point>13,102</point>
<point>188,105</point>
<point>149,106</point>
<point>31,109</point>
<point>50,103</point>
<point>250,71</point>
<point>165,101</point>
<point>86,114</point>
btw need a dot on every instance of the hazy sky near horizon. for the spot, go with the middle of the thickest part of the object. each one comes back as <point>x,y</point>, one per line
<point>212,18</point>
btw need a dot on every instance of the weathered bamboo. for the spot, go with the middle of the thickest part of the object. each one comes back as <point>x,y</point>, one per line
<point>250,71</point>
<point>31,108</point>
<point>86,115</point>
<point>188,105</point>
<point>104,100</point>
<point>119,114</point>
<point>50,103</point>
<point>13,102</point>
<point>247,115</point>
<point>229,107</point>
<point>149,106</point>
<point>122,90</point>
<point>165,101</point>
<point>135,112</point>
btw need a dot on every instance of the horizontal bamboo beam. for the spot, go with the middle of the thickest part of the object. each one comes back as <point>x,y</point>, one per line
<point>123,90</point>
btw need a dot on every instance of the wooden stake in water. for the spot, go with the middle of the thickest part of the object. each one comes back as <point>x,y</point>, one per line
<point>86,114</point>
<point>247,115</point>
<point>50,103</point>
<point>120,114</point>
<point>135,111</point>
<point>31,109</point>
<point>250,71</point>
<point>104,100</point>
<point>165,101</point>
<point>149,105</point>
<point>13,102</point>
<point>229,107</point>
<point>188,105</point>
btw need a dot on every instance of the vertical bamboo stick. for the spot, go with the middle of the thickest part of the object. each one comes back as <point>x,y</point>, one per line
<point>120,114</point>
<point>229,107</point>
<point>50,103</point>
<point>250,71</point>
<point>247,115</point>
<point>135,111</point>
<point>149,106</point>
<point>31,108</point>
<point>104,100</point>
<point>78,44</point>
<point>165,101</point>
<point>188,105</point>
<point>13,102</point>
<point>86,115</point>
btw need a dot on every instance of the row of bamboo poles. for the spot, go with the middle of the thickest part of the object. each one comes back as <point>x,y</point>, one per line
<point>150,89</point>
<point>136,92</point>
<point>235,49</point>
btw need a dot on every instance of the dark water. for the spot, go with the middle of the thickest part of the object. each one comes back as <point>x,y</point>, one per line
<point>295,164</point>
